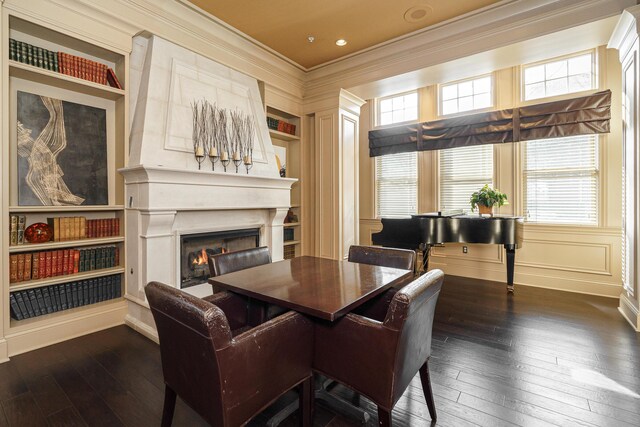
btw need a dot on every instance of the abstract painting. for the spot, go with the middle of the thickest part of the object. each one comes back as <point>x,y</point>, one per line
<point>62,152</point>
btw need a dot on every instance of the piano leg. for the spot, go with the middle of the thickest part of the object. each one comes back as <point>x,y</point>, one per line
<point>426,251</point>
<point>511,258</point>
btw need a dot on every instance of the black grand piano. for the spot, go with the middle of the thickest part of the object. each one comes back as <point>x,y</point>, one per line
<point>423,231</point>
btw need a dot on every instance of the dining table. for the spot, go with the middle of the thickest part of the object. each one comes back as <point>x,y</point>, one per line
<point>323,288</point>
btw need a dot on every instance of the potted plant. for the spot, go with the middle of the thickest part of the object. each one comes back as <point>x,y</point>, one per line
<point>486,198</point>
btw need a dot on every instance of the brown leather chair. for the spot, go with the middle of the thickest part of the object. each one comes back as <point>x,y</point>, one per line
<point>379,357</point>
<point>239,260</point>
<point>386,257</point>
<point>223,371</point>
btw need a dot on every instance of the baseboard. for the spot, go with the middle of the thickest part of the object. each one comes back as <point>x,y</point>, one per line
<point>140,319</point>
<point>48,334</point>
<point>588,287</point>
<point>629,312</point>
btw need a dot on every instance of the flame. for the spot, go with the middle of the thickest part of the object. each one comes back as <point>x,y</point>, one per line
<point>201,258</point>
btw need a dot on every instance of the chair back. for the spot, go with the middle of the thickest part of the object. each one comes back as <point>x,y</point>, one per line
<point>190,330</point>
<point>385,257</point>
<point>239,260</point>
<point>411,314</point>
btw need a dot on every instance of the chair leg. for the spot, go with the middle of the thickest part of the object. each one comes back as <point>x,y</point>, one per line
<point>305,393</point>
<point>426,388</point>
<point>169,406</point>
<point>384,417</point>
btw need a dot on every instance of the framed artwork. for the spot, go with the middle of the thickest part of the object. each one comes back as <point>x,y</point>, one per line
<point>62,152</point>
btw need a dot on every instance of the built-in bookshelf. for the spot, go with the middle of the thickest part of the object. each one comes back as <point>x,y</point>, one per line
<point>82,289</point>
<point>285,130</point>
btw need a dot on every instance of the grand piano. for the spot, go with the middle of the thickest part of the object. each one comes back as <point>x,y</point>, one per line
<point>423,231</point>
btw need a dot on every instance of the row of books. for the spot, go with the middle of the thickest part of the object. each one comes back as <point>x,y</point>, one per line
<point>33,55</point>
<point>62,62</point>
<point>49,299</point>
<point>79,227</point>
<point>281,126</point>
<point>61,262</point>
<point>16,229</point>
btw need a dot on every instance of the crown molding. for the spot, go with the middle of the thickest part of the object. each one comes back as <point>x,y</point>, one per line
<point>183,25</point>
<point>501,26</point>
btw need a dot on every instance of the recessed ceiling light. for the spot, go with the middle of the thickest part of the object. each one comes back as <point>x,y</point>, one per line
<point>311,39</point>
<point>417,13</point>
<point>341,42</point>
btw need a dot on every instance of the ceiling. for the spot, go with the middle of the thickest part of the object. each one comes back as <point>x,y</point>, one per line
<point>286,25</point>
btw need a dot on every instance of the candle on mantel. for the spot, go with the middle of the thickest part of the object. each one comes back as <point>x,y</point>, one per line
<point>213,152</point>
<point>224,156</point>
<point>199,152</point>
<point>247,160</point>
<point>236,155</point>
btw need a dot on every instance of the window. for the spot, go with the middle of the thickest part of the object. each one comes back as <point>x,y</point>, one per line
<point>464,170</point>
<point>568,75</point>
<point>561,180</point>
<point>466,95</point>
<point>398,109</point>
<point>397,174</point>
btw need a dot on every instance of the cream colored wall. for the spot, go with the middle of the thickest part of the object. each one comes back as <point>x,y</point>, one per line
<point>578,259</point>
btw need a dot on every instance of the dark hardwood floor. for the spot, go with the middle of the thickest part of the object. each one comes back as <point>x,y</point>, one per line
<point>536,358</point>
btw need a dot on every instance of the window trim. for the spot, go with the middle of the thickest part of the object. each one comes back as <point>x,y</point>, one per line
<point>492,107</point>
<point>595,70</point>
<point>377,112</point>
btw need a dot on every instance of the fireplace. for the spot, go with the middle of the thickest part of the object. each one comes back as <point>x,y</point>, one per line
<point>195,249</point>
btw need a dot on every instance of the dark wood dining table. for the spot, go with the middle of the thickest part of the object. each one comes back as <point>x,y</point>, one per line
<point>323,288</point>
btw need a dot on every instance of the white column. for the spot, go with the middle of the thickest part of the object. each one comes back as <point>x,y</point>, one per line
<point>625,40</point>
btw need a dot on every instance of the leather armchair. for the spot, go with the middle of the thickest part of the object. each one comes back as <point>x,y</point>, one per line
<point>378,359</point>
<point>239,260</point>
<point>386,257</point>
<point>225,371</point>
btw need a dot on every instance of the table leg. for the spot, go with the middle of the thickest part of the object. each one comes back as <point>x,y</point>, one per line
<point>511,258</point>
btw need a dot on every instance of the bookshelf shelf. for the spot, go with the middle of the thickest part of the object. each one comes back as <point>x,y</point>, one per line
<point>283,136</point>
<point>18,326</point>
<point>27,247</point>
<point>63,81</point>
<point>64,279</point>
<point>291,242</point>
<point>60,209</point>
<point>292,224</point>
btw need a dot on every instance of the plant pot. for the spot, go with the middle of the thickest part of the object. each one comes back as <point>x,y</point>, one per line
<point>485,210</point>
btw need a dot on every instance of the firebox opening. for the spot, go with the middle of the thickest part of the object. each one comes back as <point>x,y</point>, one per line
<point>195,250</point>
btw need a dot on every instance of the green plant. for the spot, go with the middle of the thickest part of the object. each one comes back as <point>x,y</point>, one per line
<point>488,197</point>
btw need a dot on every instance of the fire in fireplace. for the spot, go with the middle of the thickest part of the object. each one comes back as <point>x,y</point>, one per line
<point>195,250</point>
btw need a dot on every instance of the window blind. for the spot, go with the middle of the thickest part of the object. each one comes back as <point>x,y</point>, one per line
<point>397,185</point>
<point>561,180</point>
<point>464,170</point>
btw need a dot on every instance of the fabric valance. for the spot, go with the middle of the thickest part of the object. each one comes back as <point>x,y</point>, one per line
<point>578,116</point>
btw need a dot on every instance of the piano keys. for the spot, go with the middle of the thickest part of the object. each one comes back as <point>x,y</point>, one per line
<point>423,231</point>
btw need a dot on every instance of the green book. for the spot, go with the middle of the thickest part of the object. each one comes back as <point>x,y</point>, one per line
<point>54,61</point>
<point>23,52</point>
<point>30,55</point>
<point>39,57</point>
<point>12,49</point>
<point>45,59</point>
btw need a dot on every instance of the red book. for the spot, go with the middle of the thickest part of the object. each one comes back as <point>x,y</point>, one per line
<point>20,268</point>
<point>54,263</point>
<point>72,253</point>
<point>13,268</point>
<point>113,79</point>
<point>65,262</point>
<point>76,261</point>
<point>43,265</point>
<point>111,227</point>
<point>48,264</point>
<point>28,259</point>
<point>116,229</point>
<point>35,266</point>
<point>116,257</point>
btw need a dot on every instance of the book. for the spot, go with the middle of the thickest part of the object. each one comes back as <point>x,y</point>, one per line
<point>48,302</point>
<point>40,301</point>
<point>75,234</point>
<point>113,79</point>
<point>27,266</point>
<point>54,225</point>
<point>43,265</point>
<point>76,261</point>
<point>22,305</point>
<point>12,49</point>
<point>83,226</point>
<point>60,260</point>
<point>33,300</point>
<point>55,296</point>
<point>75,298</point>
<point>20,267</point>
<point>21,223</point>
<point>49,264</point>
<point>35,266</point>
<point>64,292</point>
<point>13,268</point>
<point>13,230</point>
<point>15,311</point>
<point>54,263</point>
<point>65,261</point>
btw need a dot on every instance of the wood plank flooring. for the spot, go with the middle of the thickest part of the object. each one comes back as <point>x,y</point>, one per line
<point>536,358</point>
